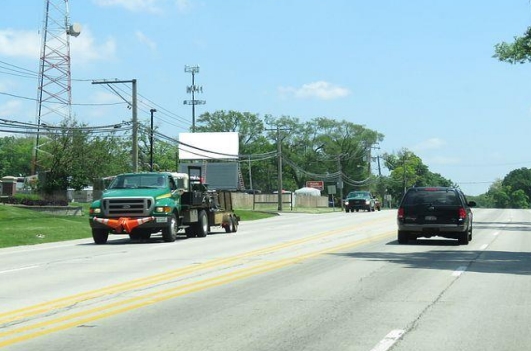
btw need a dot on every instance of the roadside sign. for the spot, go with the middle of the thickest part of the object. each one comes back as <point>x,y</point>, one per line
<point>317,184</point>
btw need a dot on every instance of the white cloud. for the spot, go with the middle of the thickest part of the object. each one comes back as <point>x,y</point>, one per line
<point>183,5</point>
<point>106,103</point>
<point>105,98</point>
<point>85,49</point>
<point>27,44</point>
<point>10,108</point>
<point>132,5</point>
<point>429,144</point>
<point>321,90</point>
<point>20,43</point>
<point>144,39</point>
<point>442,160</point>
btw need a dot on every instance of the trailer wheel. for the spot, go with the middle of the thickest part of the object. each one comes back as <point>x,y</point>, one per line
<point>228,226</point>
<point>202,225</point>
<point>234,224</point>
<point>169,233</point>
<point>100,236</point>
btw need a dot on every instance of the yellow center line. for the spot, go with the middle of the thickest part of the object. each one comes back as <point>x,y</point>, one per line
<point>44,307</point>
<point>112,309</point>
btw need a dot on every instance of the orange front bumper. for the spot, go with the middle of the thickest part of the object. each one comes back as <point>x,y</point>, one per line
<point>123,224</point>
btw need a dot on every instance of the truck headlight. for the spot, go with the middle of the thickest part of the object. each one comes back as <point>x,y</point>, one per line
<point>163,209</point>
<point>95,210</point>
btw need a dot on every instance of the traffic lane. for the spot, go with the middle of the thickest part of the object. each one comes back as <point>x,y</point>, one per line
<point>51,271</point>
<point>341,300</point>
<point>489,307</point>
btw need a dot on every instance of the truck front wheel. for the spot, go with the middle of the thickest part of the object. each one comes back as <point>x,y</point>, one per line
<point>100,236</point>
<point>169,233</point>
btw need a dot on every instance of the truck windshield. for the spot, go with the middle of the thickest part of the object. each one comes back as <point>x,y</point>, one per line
<point>139,181</point>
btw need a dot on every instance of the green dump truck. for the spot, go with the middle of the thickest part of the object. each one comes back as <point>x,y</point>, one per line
<point>141,204</point>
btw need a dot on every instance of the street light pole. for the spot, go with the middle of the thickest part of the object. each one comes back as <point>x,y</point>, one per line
<point>151,141</point>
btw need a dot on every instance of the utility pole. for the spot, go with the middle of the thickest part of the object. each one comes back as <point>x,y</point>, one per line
<point>151,141</point>
<point>370,157</point>
<point>192,89</point>
<point>340,179</point>
<point>134,107</point>
<point>279,166</point>
<point>404,173</point>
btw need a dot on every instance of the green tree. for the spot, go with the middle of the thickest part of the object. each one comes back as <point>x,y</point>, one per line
<point>248,125</point>
<point>519,199</point>
<point>518,51</point>
<point>72,156</point>
<point>164,152</point>
<point>519,179</point>
<point>500,195</point>
<point>408,170</point>
<point>16,156</point>
<point>256,150</point>
<point>325,147</point>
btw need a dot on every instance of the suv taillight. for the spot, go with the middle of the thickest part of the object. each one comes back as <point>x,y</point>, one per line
<point>400,213</point>
<point>462,213</point>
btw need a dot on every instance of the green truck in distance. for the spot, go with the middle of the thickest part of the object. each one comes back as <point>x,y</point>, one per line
<point>141,204</point>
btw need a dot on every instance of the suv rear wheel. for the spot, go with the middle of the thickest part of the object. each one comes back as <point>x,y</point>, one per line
<point>402,237</point>
<point>464,238</point>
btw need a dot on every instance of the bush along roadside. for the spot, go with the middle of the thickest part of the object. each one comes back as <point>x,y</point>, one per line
<point>32,200</point>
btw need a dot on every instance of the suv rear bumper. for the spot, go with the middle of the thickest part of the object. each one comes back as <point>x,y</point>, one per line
<point>426,229</point>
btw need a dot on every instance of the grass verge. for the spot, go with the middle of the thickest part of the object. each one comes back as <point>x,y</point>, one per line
<point>20,226</point>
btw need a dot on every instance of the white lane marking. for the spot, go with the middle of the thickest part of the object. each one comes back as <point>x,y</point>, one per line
<point>18,269</point>
<point>389,340</point>
<point>483,247</point>
<point>459,271</point>
<point>21,249</point>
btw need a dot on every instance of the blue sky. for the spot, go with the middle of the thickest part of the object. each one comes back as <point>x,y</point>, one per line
<point>420,72</point>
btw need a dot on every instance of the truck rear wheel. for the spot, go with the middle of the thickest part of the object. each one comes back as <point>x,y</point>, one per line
<point>202,225</point>
<point>100,236</point>
<point>169,233</point>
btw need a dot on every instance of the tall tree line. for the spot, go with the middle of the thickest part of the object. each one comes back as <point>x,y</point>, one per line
<point>338,152</point>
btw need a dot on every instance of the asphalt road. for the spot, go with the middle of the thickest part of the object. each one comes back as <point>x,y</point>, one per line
<point>335,281</point>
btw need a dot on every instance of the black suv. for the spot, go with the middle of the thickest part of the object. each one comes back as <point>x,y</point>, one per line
<point>435,211</point>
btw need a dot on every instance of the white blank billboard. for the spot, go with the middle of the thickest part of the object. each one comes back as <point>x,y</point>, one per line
<point>208,146</point>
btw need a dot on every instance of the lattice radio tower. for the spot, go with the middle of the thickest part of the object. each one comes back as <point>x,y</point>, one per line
<point>55,91</point>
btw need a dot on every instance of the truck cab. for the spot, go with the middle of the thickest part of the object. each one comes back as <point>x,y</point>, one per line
<point>140,204</point>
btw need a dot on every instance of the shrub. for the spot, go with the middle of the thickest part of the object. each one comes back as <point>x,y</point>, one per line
<point>34,200</point>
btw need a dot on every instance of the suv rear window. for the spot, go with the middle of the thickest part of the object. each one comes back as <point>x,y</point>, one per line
<point>434,197</point>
